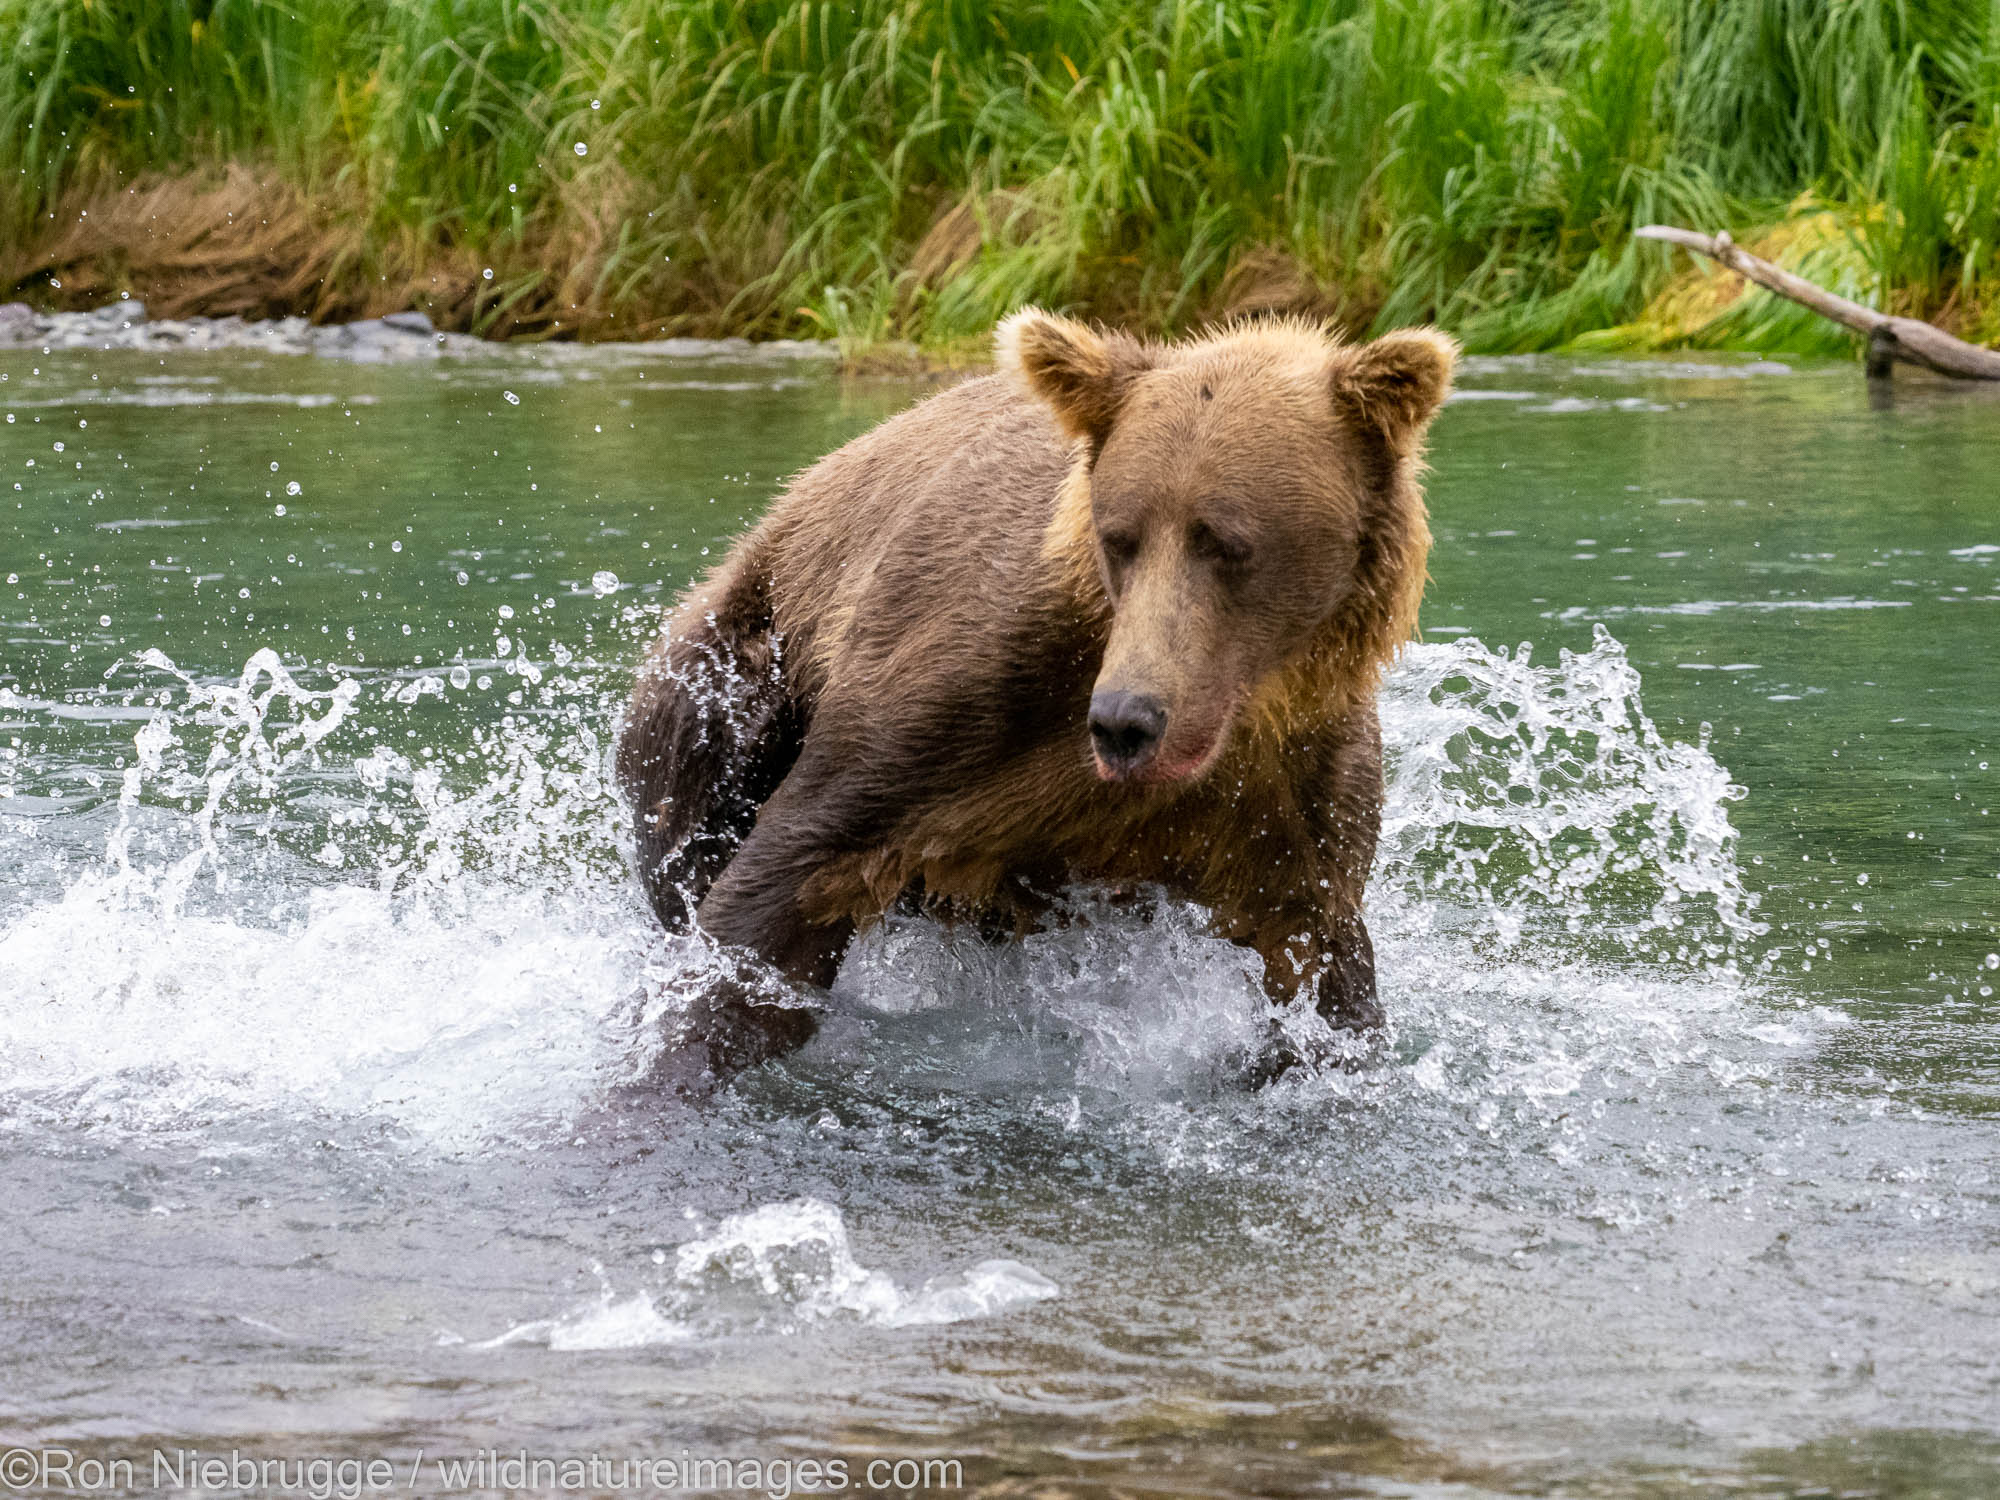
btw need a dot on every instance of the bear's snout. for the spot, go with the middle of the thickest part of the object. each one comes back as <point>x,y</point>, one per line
<point>1125,730</point>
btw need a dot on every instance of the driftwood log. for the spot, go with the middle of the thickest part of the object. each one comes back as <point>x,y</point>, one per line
<point>1889,339</point>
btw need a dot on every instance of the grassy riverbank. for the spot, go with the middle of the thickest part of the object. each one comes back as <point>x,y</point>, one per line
<point>880,170</point>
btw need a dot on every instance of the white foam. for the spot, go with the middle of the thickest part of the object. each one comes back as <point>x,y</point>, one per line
<point>1569,405</point>
<point>776,1269</point>
<point>607,1322</point>
<point>1148,1006</point>
<point>173,396</point>
<point>448,963</point>
<point>1544,795</point>
<point>492,1020</point>
<point>1704,607</point>
<point>990,1287</point>
<point>294,920</point>
<point>794,1255</point>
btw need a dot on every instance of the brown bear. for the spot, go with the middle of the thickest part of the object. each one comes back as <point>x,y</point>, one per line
<point>1112,616</point>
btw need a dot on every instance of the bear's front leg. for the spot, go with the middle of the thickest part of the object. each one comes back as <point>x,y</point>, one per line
<point>755,913</point>
<point>712,730</point>
<point>734,1024</point>
<point>745,1016</point>
<point>1326,956</point>
<point>1334,959</point>
<point>1310,933</point>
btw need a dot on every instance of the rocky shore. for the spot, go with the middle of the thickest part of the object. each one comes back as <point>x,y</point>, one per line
<point>397,338</point>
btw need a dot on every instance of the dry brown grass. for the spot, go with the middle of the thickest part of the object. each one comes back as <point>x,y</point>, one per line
<point>242,241</point>
<point>1266,281</point>
<point>221,243</point>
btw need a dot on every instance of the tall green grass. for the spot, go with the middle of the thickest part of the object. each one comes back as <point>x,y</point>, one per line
<point>914,168</point>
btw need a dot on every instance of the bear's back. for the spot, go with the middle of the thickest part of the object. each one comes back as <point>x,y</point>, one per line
<point>921,536</point>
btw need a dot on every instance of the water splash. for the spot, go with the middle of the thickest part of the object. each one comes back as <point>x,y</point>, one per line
<point>248,743</point>
<point>1556,908</point>
<point>294,922</point>
<point>324,897</point>
<point>1524,796</point>
<point>776,1269</point>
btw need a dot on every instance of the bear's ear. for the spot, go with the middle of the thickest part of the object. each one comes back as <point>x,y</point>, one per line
<point>1083,375</point>
<point>1396,384</point>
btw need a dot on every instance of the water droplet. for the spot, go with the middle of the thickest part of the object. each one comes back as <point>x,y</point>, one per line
<point>581,149</point>
<point>243,593</point>
<point>396,546</point>
<point>104,619</point>
<point>1862,878</point>
<point>293,487</point>
<point>274,466</point>
<point>59,447</point>
<point>487,274</point>
<point>278,509</point>
<point>463,577</point>
<point>506,611</point>
<point>510,398</point>
<point>461,676</point>
<point>1993,960</point>
<point>502,644</point>
<point>603,582</point>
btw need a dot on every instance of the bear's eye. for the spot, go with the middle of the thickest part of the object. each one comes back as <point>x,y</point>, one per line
<point>1120,548</point>
<point>1204,541</point>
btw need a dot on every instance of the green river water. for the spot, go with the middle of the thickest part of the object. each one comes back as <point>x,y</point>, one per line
<point>323,982</point>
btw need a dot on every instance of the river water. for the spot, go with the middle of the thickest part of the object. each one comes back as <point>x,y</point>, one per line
<point>323,984</point>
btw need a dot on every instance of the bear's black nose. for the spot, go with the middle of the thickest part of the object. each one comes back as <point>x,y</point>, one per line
<point>1125,729</point>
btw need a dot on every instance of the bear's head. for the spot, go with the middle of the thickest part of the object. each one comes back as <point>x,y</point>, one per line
<point>1247,504</point>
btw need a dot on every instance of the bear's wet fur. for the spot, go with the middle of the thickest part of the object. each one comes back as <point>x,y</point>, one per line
<point>1114,615</point>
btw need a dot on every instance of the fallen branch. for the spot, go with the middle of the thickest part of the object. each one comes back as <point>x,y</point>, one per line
<point>1889,339</point>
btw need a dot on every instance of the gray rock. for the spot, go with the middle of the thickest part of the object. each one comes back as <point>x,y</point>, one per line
<point>377,340</point>
<point>124,313</point>
<point>402,338</point>
<point>18,323</point>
